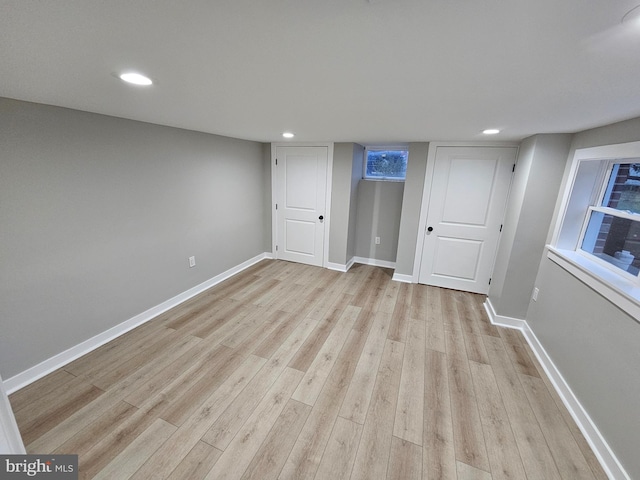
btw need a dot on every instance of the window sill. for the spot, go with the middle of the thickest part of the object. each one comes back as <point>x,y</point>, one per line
<point>618,290</point>
<point>383,179</point>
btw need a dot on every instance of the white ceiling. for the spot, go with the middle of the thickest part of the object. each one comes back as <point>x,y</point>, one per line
<point>331,70</point>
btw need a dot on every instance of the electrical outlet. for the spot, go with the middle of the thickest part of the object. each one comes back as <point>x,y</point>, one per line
<point>192,262</point>
<point>536,291</point>
<point>377,240</point>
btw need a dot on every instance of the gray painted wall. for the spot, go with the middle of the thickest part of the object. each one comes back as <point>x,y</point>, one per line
<point>596,348</point>
<point>100,214</point>
<point>357,167</point>
<point>266,215</point>
<point>379,209</point>
<point>411,203</point>
<point>511,217</point>
<point>593,343</point>
<point>347,172</point>
<point>534,190</point>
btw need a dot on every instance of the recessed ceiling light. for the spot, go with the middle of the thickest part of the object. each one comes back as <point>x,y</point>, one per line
<point>135,78</point>
<point>288,135</point>
<point>491,131</point>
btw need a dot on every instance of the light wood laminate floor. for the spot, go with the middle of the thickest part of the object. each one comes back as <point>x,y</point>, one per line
<point>296,372</point>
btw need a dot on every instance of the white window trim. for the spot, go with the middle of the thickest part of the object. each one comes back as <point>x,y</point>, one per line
<point>605,192</point>
<point>404,148</point>
<point>614,287</point>
<point>616,213</point>
<point>621,289</point>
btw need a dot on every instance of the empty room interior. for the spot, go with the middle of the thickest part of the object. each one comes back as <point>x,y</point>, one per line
<point>363,239</point>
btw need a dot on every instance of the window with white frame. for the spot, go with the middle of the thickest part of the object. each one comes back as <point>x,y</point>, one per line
<point>612,228</point>
<point>597,236</point>
<point>385,163</point>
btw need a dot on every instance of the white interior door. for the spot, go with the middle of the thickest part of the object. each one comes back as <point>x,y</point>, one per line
<point>469,190</point>
<point>301,185</point>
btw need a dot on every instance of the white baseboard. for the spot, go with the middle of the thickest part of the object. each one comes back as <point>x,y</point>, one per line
<point>362,260</point>
<point>38,371</point>
<point>400,277</point>
<point>340,267</point>
<point>596,441</point>
<point>10,439</point>
<point>374,262</point>
<point>350,263</point>
<point>501,320</point>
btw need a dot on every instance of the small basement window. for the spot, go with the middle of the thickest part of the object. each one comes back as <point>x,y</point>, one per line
<point>612,231</point>
<point>385,163</point>
<point>597,237</point>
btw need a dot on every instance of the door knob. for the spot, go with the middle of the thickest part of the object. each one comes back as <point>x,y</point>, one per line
<point>430,229</point>
<point>321,218</point>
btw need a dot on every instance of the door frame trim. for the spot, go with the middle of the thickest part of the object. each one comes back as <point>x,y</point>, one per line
<point>426,191</point>
<point>274,190</point>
